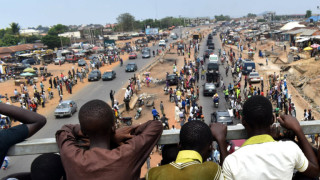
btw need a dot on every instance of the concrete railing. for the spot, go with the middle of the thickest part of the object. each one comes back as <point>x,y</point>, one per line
<point>40,146</point>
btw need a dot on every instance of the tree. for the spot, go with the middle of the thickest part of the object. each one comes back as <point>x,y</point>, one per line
<point>261,20</point>
<point>53,41</point>
<point>57,29</point>
<point>15,28</point>
<point>126,22</point>
<point>2,33</point>
<point>250,15</point>
<point>222,18</point>
<point>9,40</point>
<point>308,13</point>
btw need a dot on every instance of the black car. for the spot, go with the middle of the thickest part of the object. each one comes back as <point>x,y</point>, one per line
<point>221,117</point>
<point>209,41</point>
<point>214,33</point>
<point>109,75</point>
<point>213,68</point>
<point>94,75</point>
<point>209,89</point>
<point>208,52</point>
<point>210,36</point>
<point>172,79</point>
<point>131,67</point>
<point>180,46</point>
<point>81,62</point>
<point>30,61</point>
<point>211,46</point>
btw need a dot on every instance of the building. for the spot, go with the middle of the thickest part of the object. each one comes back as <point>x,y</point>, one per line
<point>10,51</point>
<point>29,32</point>
<point>71,34</point>
<point>269,16</point>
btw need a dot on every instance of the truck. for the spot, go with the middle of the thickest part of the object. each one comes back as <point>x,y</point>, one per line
<point>247,66</point>
<point>213,74</point>
<point>197,36</point>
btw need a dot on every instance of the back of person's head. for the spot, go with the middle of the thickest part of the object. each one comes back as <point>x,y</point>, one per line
<point>257,112</point>
<point>96,117</point>
<point>48,167</point>
<point>195,135</point>
<point>169,153</point>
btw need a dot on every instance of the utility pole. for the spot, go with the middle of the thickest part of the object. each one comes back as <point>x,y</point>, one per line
<point>61,43</point>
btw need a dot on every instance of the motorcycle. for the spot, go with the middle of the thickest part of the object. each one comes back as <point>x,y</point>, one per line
<point>165,125</point>
<point>138,114</point>
<point>166,90</point>
<point>216,102</point>
<point>140,102</point>
<point>126,120</point>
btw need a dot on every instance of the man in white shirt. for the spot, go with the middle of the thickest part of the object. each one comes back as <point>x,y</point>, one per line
<point>263,158</point>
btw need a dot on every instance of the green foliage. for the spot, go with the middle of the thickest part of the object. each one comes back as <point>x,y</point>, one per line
<point>251,15</point>
<point>9,40</point>
<point>31,39</point>
<point>53,41</point>
<point>126,22</point>
<point>57,29</point>
<point>222,18</point>
<point>15,28</point>
<point>261,20</point>
<point>2,33</point>
<point>308,13</point>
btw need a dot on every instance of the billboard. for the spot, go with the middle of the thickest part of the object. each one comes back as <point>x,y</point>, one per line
<point>152,31</point>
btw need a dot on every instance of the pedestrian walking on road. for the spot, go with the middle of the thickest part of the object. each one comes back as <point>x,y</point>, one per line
<point>161,108</point>
<point>112,97</point>
<point>267,61</point>
<point>50,82</point>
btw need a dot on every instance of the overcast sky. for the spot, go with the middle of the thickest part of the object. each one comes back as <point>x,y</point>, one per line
<point>31,13</point>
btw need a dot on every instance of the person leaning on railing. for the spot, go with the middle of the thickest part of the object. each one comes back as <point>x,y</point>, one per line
<point>96,150</point>
<point>32,123</point>
<point>263,158</point>
<point>195,148</point>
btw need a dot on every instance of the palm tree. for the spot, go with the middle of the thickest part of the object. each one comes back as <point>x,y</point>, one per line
<point>15,28</point>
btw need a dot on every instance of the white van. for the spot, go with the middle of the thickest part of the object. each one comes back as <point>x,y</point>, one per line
<point>213,58</point>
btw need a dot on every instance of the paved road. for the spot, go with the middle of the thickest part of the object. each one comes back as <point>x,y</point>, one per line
<point>95,90</point>
<point>205,101</point>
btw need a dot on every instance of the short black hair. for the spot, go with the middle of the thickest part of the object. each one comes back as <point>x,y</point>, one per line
<point>195,135</point>
<point>94,115</point>
<point>169,153</point>
<point>257,112</point>
<point>47,166</point>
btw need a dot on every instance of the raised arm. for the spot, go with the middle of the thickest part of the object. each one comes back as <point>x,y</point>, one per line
<point>219,133</point>
<point>292,123</point>
<point>32,120</point>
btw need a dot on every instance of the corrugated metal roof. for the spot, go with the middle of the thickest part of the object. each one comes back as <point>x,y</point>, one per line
<point>294,32</point>
<point>308,32</point>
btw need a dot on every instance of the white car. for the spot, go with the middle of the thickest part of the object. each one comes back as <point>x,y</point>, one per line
<point>56,61</point>
<point>162,43</point>
<point>254,77</point>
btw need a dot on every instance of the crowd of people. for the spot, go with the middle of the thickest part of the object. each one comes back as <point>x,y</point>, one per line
<point>95,149</point>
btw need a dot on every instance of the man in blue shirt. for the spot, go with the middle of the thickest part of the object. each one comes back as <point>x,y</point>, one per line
<point>154,113</point>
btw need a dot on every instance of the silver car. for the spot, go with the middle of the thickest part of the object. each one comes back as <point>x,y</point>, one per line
<point>65,108</point>
<point>56,61</point>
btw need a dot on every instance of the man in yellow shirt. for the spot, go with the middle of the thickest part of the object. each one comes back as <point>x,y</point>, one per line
<point>195,147</point>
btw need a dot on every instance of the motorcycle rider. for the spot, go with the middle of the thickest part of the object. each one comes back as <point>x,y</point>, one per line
<point>215,98</point>
<point>155,113</point>
<point>164,121</point>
